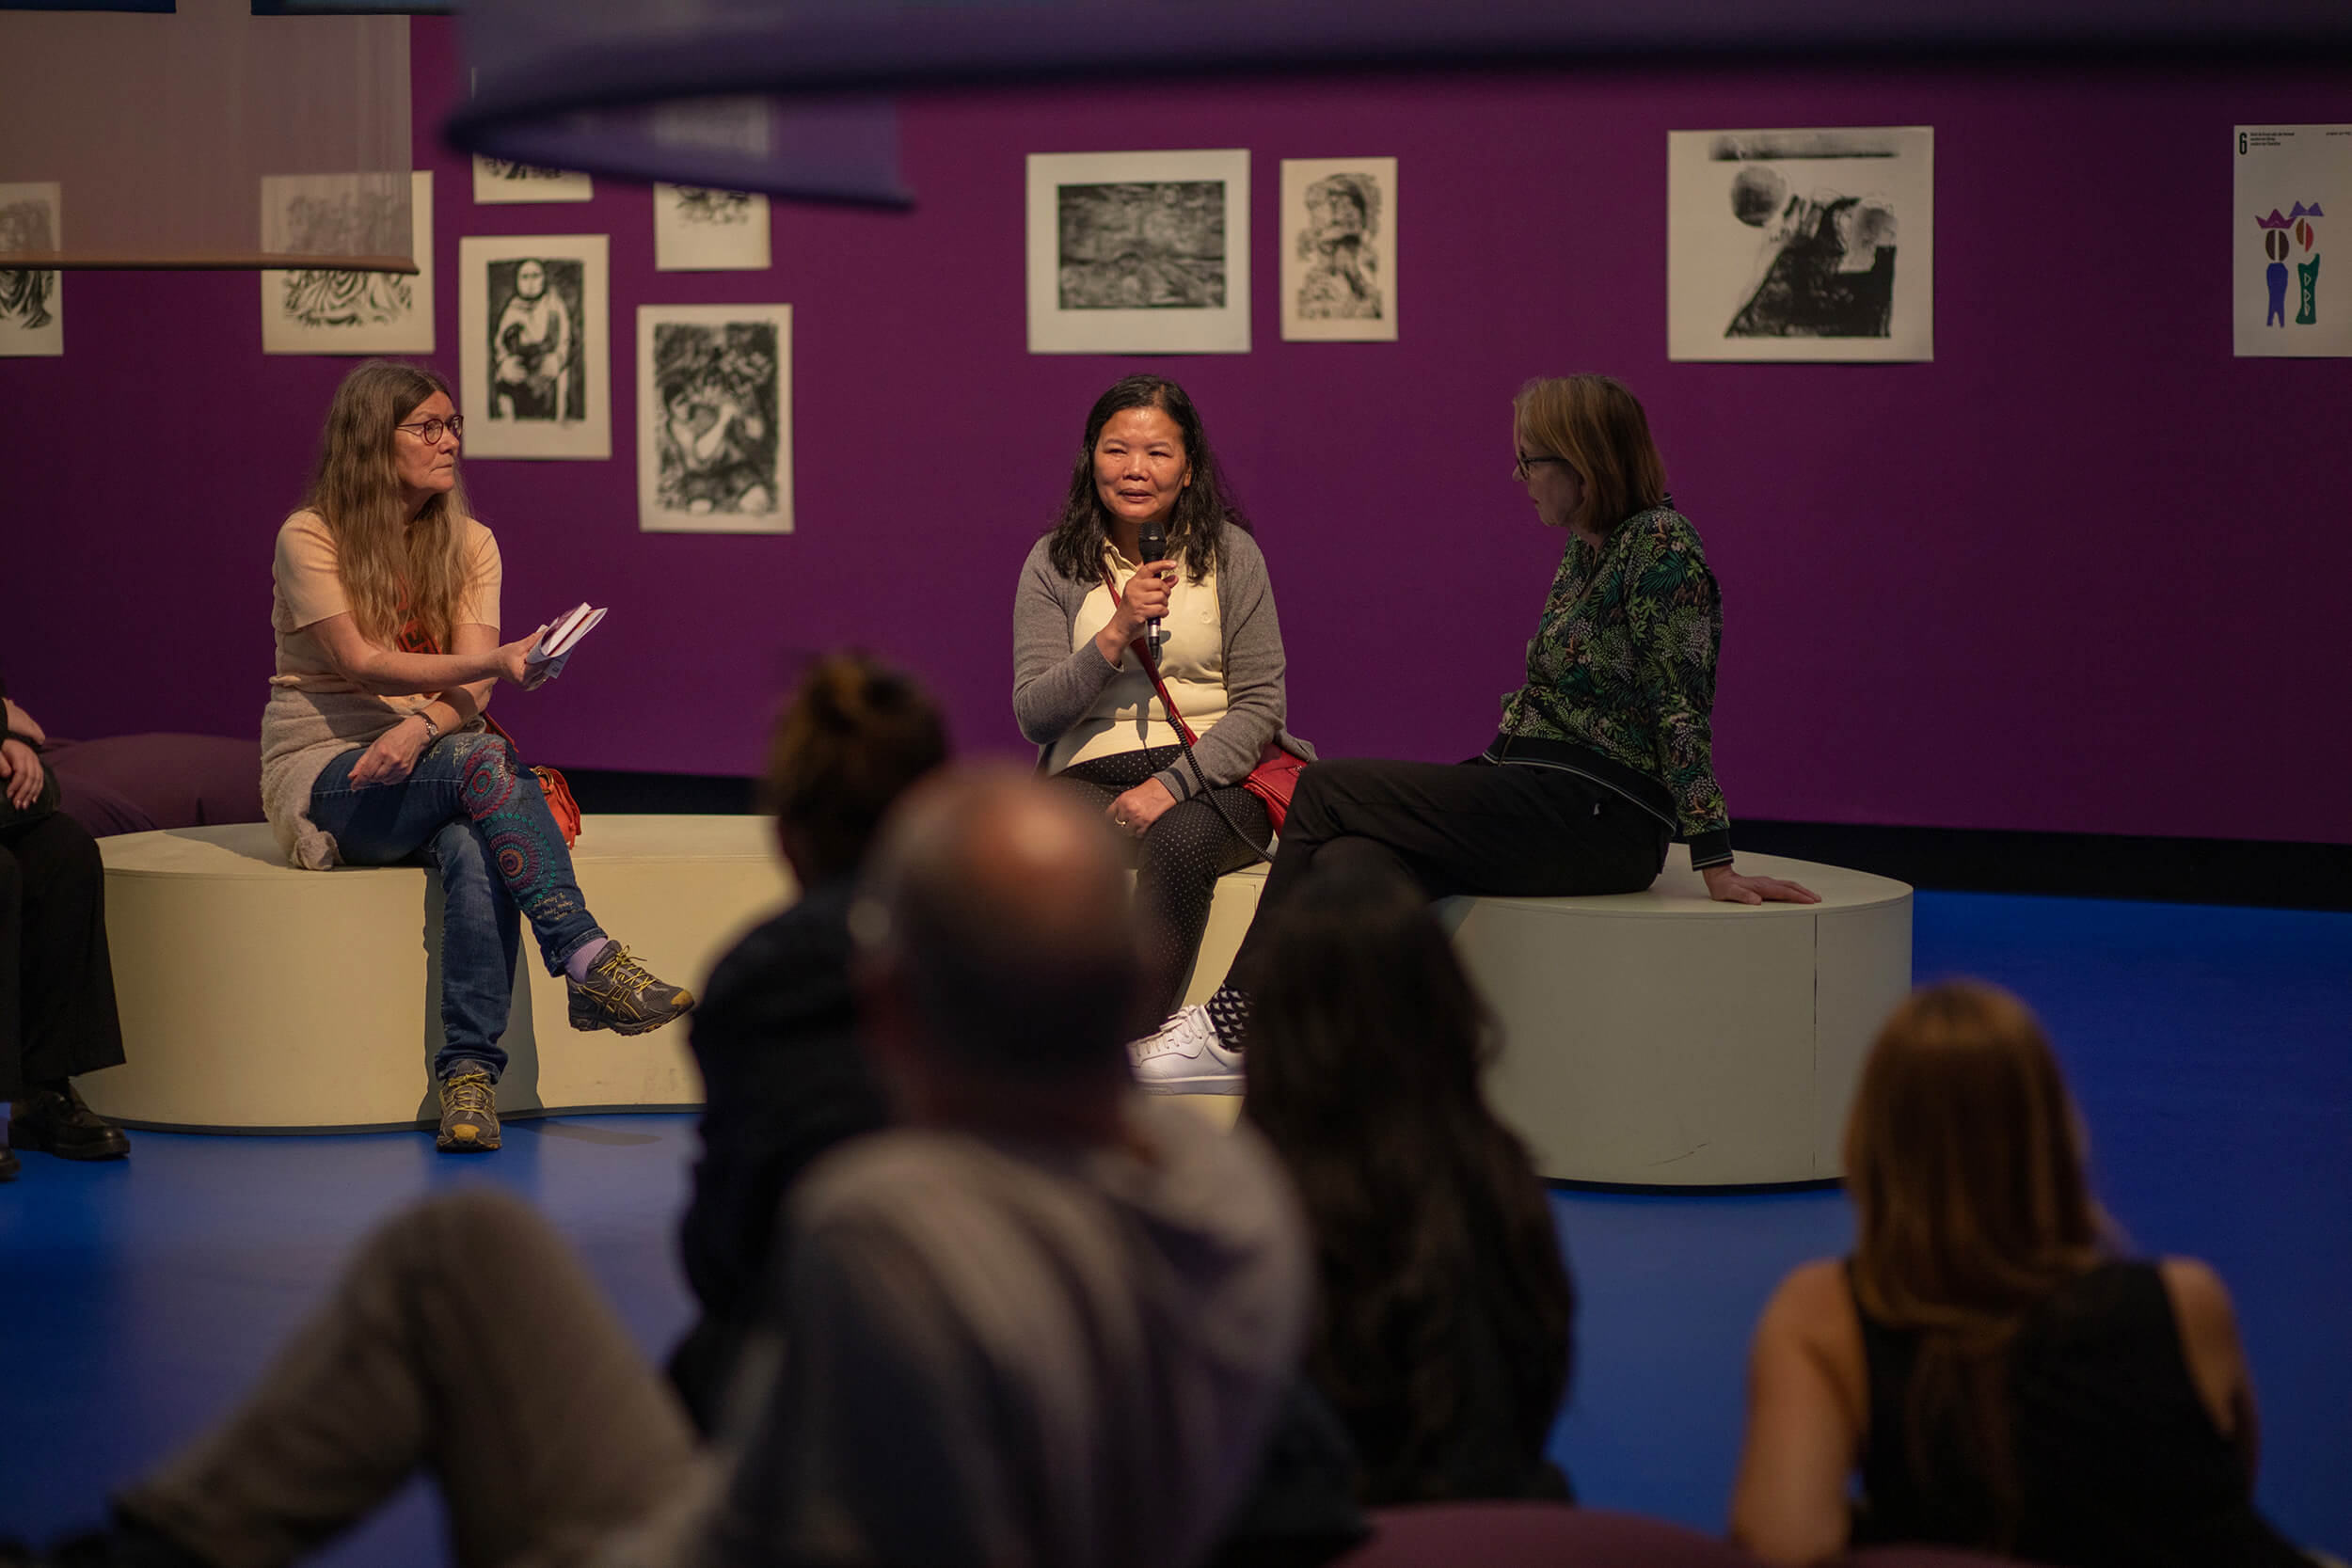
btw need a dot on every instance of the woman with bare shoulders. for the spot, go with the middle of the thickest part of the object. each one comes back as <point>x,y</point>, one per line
<point>1998,1375</point>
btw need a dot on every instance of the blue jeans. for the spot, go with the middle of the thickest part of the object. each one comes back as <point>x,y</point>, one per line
<point>474,813</point>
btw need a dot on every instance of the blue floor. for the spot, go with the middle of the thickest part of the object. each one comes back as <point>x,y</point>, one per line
<point>2211,1048</point>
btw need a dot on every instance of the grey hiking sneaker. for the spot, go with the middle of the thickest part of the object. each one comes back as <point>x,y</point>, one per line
<point>622,995</point>
<point>469,1114</point>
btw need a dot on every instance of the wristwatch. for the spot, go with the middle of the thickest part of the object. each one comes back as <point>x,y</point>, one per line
<point>432,730</point>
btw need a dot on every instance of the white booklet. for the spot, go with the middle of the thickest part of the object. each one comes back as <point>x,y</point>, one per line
<point>556,643</point>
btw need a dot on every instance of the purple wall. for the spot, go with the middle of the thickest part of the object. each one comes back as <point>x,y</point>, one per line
<point>2079,574</point>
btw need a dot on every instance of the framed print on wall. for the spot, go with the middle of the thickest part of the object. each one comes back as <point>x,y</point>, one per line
<point>503,180</point>
<point>714,419</point>
<point>2292,185</point>
<point>339,311</point>
<point>1338,249</point>
<point>696,230</point>
<point>1138,252</point>
<point>32,302</point>
<point>534,329</point>
<point>1804,245</point>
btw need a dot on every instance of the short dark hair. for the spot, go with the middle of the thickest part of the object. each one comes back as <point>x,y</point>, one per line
<point>854,735</point>
<point>1203,508</point>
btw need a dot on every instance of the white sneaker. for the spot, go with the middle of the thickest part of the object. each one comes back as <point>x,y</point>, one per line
<point>1182,1056</point>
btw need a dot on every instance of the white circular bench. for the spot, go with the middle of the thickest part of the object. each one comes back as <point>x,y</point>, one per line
<point>1660,1039</point>
<point>259,998</point>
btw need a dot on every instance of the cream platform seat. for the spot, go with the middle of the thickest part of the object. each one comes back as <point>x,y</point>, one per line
<point>259,998</point>
<point>1660,1039</point>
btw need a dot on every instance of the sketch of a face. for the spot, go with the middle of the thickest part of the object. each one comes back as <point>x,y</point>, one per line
<point>426,468</point>
<point>1140,465</point>
<point>531,280</point>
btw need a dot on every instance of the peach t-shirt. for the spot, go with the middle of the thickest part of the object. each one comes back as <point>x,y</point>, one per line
<point>306,590</point>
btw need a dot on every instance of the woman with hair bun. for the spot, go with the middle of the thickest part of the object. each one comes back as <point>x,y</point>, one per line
<point>374,751</point>
<point>783,1078</point>
<point>1998,1376</point>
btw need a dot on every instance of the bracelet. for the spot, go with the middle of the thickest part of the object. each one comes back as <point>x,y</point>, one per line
<point>432,730</point>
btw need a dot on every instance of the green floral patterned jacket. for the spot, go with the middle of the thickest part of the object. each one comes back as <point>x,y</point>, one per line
<point>1621,676</point>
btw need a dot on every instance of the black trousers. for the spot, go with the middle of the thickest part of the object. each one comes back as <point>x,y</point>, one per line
<point>1471,826</point>
<point>1182,854</point>
<point>56,980</point>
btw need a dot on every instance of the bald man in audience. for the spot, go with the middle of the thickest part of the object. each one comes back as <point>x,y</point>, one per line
<point>1044,1320</point>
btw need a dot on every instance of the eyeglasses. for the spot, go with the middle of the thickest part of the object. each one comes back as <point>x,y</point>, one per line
<point>429,431</point>
<point>1518,470</point>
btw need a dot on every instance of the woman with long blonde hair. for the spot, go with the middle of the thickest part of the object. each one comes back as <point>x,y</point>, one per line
<point>1998,1375</point>
<point>374,750</point>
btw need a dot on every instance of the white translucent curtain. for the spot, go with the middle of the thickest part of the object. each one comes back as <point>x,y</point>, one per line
<point>210,137</point>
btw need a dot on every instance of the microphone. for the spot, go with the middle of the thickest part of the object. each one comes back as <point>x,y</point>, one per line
<point>1153,543</point>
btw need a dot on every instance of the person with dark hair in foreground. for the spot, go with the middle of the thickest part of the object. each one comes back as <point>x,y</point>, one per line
<point>1605,754</point>
<point>1995,1373</point>
<point>1081,692</point>
<point>776,1033</point>
<point>1443,1333</point>
<point>1043,1321</point>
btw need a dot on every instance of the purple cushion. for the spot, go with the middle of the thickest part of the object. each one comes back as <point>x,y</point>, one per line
<point>1527,1535</point>
<point>131,782</point>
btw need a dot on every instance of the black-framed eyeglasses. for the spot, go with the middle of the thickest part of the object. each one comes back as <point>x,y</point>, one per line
<point>1518,470</point>
<point>429,431</point>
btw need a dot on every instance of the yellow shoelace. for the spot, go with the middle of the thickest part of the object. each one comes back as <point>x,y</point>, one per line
<point>471,1091</point>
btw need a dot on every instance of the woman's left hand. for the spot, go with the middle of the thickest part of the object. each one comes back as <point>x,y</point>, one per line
<point>1134,813</point>
<point>21,766</point>
<point>392,756</point>
<point>1726,886</point>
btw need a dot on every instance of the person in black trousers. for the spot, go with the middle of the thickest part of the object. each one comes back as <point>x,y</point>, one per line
<point>783,1080</point>
<point>58,1015</point>
<point>1603,758</point>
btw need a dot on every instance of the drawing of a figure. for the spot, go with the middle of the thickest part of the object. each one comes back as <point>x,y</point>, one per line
<point>719,396</point>
<point>507,169</point>
<point>2308,273</point>
<point>1143,247</point>
<point>24,294</point>
<point>341,298</point>
<point>1828,262</point>
<point>534,349</point>
<point>1343,274</point>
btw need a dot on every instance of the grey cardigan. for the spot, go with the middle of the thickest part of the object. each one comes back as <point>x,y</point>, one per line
<point>1052,687</point>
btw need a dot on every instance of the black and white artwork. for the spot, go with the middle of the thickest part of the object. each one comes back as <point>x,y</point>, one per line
<point>697,229</point>
<point>503,180</point>
<point>1338,249</point>
<point>336,311</point>
<point>32,302</point>
<point>1801,245</point>
<point>1138,252</point>
<point>714,419</point>
<point>2292,189</point>
<point>534,327</point>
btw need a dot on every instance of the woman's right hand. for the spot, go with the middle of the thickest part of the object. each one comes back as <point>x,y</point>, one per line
<point>1145,600</point>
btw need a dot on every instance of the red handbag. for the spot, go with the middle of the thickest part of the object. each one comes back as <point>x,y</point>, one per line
<point>1275,778</point>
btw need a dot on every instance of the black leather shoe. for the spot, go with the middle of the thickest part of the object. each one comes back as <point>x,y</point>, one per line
<point>55,1121</point>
